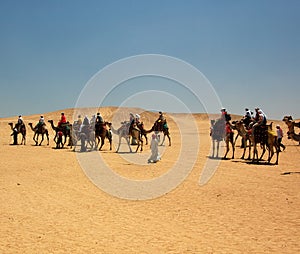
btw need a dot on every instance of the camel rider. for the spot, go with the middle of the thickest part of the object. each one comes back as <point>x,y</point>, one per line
<point>225,115</point>
<point>247,117</point>
<point>161,118</point>
<point>260,119</point>
<point>162,121</point>
<point>99,119</point>
<point>20,122</point>
<point>41,122</point>
<point>79,120</point>
<point>137,119</point>
<point>85,125</point>
<point>63,119</point>
<point>93,120</point>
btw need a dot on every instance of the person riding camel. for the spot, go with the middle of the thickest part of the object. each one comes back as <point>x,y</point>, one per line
<point>41,122</point>
<point>248,117</point>
<point>79,120</point>
<point>93,120</point>
<point>260,119</point>
<point>63,119</point>
<point>85,125</point>
<point>224,115</point>
<point>161,121</point>
<point>99,119</point>
<point>19,123</point>
<point>131,122</point>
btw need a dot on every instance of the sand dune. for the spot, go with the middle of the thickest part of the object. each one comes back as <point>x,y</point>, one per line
<point>49,205</point>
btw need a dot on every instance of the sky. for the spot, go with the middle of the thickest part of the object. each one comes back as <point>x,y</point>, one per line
<point>249,51</point>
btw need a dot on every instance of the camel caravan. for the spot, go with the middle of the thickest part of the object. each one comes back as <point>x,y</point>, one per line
<point>91,133</point>
<point>254,131</point>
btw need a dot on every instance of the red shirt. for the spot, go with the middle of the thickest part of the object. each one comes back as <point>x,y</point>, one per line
<point>63,119</point>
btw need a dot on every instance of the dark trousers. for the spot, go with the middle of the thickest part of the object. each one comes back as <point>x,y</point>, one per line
<point>280,144</point>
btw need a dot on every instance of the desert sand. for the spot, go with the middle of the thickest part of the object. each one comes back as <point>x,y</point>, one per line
<point>49,205</point>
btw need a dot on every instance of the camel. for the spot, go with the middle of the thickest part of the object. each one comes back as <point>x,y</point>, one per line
<point>86,137</point>
<point>37,131</point>
<point>123,132</point>
<point>266,138</point>
<point>240,127</point>
<point>101,132</point>
<point>289,119</point>
<point>218,134</point>
<point>144,132</point>
<point>291,124</point>
<point>158,127</point>
<point>16,130</point>
<point>65,128</point>
<point>272,144</point>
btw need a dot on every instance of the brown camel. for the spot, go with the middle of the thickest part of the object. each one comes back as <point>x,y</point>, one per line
<point>241,129</point>
<point>101,132</point>
<point>65,128</point>
<point>39,130</point>
<point>291,124</point>
<point>217,133</point>
<point>18,130</point>
<point>289,119</point>
<point>144,132</point>
<point>123,132</point>
<point>266,138</point>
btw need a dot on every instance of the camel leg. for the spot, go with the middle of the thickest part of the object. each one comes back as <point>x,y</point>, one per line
<point>42,140</point>
<point>245,148</point>
<point>233,150</point>
<point>254,152</point>
<point>218,145</point>
<point>169,139</point>
<point>140,144</point>
<point>102,143</point>
<point>227,146</point>
<point>119,144</point>
<point>110,143</point>
<point>236,138</point>
<point>15,135</point>
<point>227,150</point>
<point>128,143</point>
<point>145,135</point>
<point>35,139</point>
<point>163,141</point>
<point>47,135</point>
<point>213,152</point>
<point>249,155</point>
<point>263,152</point>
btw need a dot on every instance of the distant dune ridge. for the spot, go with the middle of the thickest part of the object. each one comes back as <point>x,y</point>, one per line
<point>49,205</point>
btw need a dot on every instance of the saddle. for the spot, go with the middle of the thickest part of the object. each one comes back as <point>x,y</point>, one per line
<point>65,126</point>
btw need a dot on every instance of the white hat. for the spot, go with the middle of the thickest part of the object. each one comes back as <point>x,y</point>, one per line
<point>137,116</point>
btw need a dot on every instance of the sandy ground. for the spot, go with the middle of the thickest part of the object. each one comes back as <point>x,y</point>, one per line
<point>49,205</point>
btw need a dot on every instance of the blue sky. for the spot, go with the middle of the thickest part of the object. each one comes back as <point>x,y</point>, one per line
<point>248,50</point>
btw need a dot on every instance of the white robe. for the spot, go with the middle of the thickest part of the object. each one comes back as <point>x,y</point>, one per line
<point>154,150</point>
